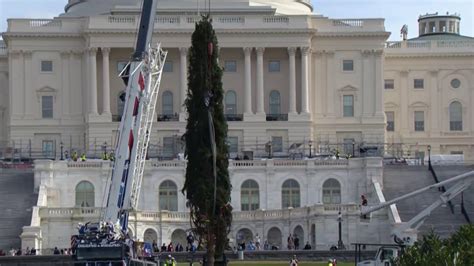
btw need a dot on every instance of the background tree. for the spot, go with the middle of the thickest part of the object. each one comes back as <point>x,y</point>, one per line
<point>207,185</point>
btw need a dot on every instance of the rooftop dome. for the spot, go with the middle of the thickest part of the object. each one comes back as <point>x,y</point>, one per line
<point>81,8</point>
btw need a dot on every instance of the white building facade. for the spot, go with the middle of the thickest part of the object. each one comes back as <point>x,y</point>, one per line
<point>304,83</point>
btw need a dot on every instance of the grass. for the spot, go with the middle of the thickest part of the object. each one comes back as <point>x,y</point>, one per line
<point>276,263</point>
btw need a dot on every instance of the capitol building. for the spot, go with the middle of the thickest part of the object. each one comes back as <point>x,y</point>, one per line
<point>298,88</point>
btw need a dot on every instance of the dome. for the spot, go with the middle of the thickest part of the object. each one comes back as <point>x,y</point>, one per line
<point>81,8</point>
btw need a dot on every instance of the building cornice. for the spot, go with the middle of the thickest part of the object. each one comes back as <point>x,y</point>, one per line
<point>353,34</point>
<point>436,55</point>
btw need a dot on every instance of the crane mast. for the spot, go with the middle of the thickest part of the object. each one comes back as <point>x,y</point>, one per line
<point>142,76</point>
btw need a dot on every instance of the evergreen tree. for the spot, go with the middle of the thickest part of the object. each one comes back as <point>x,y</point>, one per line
<point>207,184</point>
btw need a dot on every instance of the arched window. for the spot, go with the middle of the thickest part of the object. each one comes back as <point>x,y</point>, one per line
<point>455,116</point>
<point>274,237</point>
<point>230,103</point>
<point>331,192</point>
<point>85,194</point>
<point>150,235</point>
<point>274,103</point>
<point>178,236</point>
<point>167,103</point>
<point>249,196</point>
<point>168,196</point>
<point>290,194</point>
<point>244,235</point>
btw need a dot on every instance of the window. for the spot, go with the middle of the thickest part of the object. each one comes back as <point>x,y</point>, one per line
<point>48,149</point>
<point>419,83</point>
<point>249,196</point>
<point>121,65</point>
<point>457,152</point>
<point>47,106</point>
<point>230,66</point>
<point>331,191</point>
<point>168,196</point>
<point>419,121</point>
<point>273,66</point>
<point>230,103</point>
<point>167,103</point>
<point>274,102</point>
<point>46,66</point>
<point>390,121</point>
<point>85,194</point>
<point>455,116</point>
<point>389,84</point>
<point>277,144</point>
<point>168,67</point>
<point>168,147</point>
<point>455,83</point>
<point>233,143</point>
<point>290,194</point>
<point>348,65</point>
<point>348,101</point>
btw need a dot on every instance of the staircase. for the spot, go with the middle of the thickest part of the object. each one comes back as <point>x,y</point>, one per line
<point>16,201</point>
<point>399,180</point>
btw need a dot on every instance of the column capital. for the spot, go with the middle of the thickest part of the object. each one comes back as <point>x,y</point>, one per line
<point>292,51</point>
<point>260,50</point>
<point>105,50</point>
<point>183,50</point>
<point>433,72</point>
<point>247,50</point>
<point>366,53</point>
<point>305,50</point>
<point>329,52</point>
<point>92,50</point>
<point>27,54</point>
<point>378,52</point>
<point>404,73</point>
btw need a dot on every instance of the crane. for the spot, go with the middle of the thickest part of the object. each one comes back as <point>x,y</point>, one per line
<point>142,75</point>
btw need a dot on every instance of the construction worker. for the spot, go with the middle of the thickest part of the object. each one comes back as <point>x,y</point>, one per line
<point>330,262</point>
<point>74,156</point>
<point>83,157</point>
<point>105,156</point>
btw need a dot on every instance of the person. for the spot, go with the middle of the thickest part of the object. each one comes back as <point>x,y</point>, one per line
<point>2,253</point>
<point>66,155</point>
<point>294,261</point>
<point>170,247</point>
<point>155,246</point>
<point>257,241</point>
<point>83,157</point>
<point>56,251</point>
<point>74,156</point>
<point>12,251</point>
<point>297,242</point>
<point>307,246</point>
<point>364,203</point>
<point>27,251</point>
<point>291,244</point>
<point>163,247</point>
<point>190,240</point>
<point>330,262</point>
<point>266,246</point>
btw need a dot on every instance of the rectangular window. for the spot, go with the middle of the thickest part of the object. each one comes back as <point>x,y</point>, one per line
<point>47,106</point>
<point>230,66</point>
<point>46,66</point>
<point>390,121</point>
<point>348,101</point>
<point>121,65</point>
<point>168,147</point>
<point>389,84</point>
<point>277,144</point>
<point>233,143</point>
<point>274,66</point>
<point>419,83</point>
<point>457,152</point>
<point>348,65</point>
<point>419,121</point>
<point>168,67</point>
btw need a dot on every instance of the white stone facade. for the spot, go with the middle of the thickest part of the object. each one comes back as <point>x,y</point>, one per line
<point>314,219</point>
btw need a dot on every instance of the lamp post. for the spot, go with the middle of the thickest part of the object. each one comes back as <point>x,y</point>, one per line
<point>340,244</point>
<point>353,148</point>
<point>310,148</point>
<point>61,145</point>
<point>429,156</point>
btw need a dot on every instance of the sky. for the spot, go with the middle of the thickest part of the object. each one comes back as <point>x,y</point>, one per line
<point>396,12</point>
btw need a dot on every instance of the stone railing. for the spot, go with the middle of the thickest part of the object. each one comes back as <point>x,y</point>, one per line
<point>242,216</point>
<point>429,46</point>
<point>325,25</point>
<point>39,26</point>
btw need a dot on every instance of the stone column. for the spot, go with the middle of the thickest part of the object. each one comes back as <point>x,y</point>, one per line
<point>292,70</point>
<point>403,103</point>
<point>183,81</point>
<point>92,80</point>
<point>260,86</point>
<point>434,104</point>
<point>379,84</point>
<point>366,83</point>
<point>248,81</point>
<point>66,88</point>
<point>106,81</point>
<point>304,80</point>
<point>330,72</point>
<point>28,91</point>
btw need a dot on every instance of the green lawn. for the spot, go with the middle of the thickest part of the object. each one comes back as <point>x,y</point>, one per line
<point>275,263</point>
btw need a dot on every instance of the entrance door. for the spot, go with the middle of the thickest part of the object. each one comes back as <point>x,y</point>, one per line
<point>313,236</point>
<point>48,149</point>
